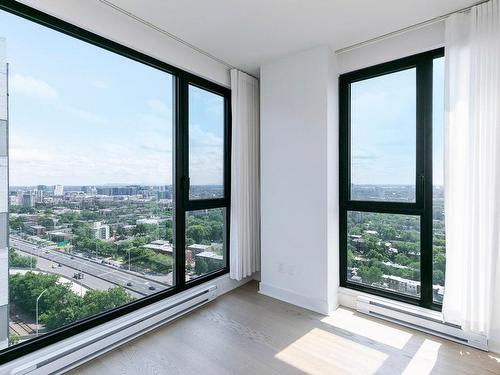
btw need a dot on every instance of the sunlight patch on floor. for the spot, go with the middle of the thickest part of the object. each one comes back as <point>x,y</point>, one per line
<point>380,332</point>
<point>494,357</point>
<point>424,359</point>
<point>322,352</point>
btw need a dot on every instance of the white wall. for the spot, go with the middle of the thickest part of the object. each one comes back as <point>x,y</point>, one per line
<point>103,20</point>
<point>299,179</point>
<point>407,44</point>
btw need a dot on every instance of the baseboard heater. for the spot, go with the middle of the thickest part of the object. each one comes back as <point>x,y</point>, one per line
<point>417,319</point>
<point>77,350</point>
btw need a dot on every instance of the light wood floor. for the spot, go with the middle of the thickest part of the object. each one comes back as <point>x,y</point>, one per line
<point>244,332</point>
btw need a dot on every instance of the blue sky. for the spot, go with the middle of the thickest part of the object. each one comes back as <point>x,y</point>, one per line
<point>383,128</point>
<point>83,115</point>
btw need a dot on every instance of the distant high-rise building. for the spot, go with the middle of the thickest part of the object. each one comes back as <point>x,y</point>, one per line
<point>58,191</point>
<point>4,203</point>
<point>92,190</point>
<point>39,196</point>
<point>28,199</point>
<point>14,200</point>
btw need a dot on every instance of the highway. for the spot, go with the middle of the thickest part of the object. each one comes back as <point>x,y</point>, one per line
<point>89,281</point>
<point>109,274</point>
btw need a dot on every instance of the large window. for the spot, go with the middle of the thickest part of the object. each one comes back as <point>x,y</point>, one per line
<point>118,184</point>
<point>391,179</point>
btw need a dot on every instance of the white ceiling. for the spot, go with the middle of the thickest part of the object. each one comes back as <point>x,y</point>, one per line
<point>247,33</point>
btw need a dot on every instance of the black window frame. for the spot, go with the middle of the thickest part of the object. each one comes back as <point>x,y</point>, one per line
<point>181,79</point>
<point>422,207</point>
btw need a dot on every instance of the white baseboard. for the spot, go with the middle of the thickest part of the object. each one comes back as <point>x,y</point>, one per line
<point>494,346</point>
<point>226,284</point>
<point>316,305</point>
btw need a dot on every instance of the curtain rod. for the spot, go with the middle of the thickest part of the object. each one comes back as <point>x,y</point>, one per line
<point>170,35</point>
<point>406,29</point>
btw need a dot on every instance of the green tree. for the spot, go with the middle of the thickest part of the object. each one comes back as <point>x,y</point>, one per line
<point>199,233</point>
<point>59,305</point>
<point>370,275</point>
<point>46,221</point>
<point>20,261</point>
<point>16,223</point>
<point>13,339</point>
<point>402,259</point>
<point>375,255</point>
<point>438,277</point>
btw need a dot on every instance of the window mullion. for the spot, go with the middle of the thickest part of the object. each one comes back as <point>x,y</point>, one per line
<point>424,107</point>
<point>180,188</point>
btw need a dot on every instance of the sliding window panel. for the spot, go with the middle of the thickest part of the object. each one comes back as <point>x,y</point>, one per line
<point>206,242</point>
<point>383,251</point>
<point>383,138</point>
<point>206,144</point>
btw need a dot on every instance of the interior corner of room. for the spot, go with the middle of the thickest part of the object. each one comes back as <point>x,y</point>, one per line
<point>268,188</point>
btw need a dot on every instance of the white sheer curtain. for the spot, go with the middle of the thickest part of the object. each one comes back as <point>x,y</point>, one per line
<point>472,165</point>
<point>245,176</point>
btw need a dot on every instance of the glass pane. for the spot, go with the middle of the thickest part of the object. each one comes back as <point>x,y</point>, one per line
<point>383,138</point>
<point>206,145</point>
<point>438,232</point>
<point>383,251</point>
<point>90,179</point>
<point>205,242</point>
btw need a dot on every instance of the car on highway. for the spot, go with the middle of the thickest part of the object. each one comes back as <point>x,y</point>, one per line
<point>151,287</point>
<point>130,283</point>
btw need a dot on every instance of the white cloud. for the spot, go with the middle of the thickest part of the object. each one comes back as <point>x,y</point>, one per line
<point>158,106</point>
<point>33,87</point>
<point>83,114</point>
<point>206,152</point>
<point>100,84</point>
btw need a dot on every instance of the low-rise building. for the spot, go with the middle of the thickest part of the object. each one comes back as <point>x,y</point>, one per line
<point>160,246</point>
<point>198,248</point>
<point>402,285</point>
<point>208,261</point>
<point>101,231</point>
<point>37,230</point>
